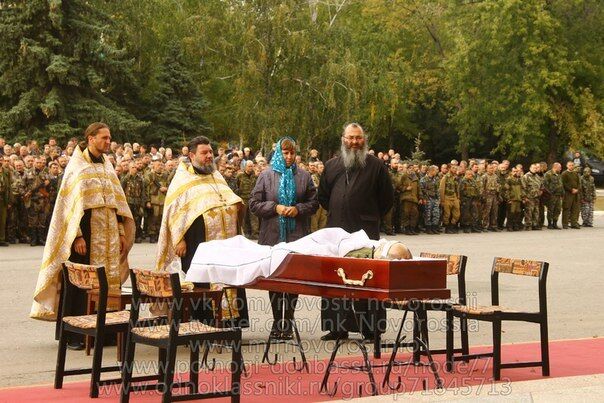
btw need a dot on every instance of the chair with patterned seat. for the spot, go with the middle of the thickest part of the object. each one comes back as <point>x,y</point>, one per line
<point>496,314</point>
<point>165,286</point>
<point>87,277</point>
<point>456,266</point>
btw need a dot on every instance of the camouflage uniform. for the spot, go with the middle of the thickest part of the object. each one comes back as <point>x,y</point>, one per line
<point>588,199</point>
<point>53,192</point>
<point>531,192</point>
<point>492,188</point>
<point>502,176</point>
<point>469,195</point>
<point>552,185</point>
<point>449,196</point>
<point>513,195</point>
<point>571,201</point>
<point>245,185</point>
<point>5,196</point>
<point>392,219</point>
<point>431,197</point>
<point>319,219</point>
<point>410,197</point>
<point>134,189</point>
<point>17,222</point>
<point>37,203</point>
<point>155,181</point>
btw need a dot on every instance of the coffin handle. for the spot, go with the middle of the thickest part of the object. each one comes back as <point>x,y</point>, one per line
<point>342,274</point>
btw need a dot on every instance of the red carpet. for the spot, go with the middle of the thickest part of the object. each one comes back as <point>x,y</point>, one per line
<point>568,358</point>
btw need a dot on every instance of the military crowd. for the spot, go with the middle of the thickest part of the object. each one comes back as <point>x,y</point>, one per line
<point>471,196</point>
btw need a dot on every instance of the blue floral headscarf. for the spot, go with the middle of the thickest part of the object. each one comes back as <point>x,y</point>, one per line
<point>286,192</point>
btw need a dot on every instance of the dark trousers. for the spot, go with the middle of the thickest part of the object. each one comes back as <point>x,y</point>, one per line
<point>283,305</point>
<point>337,315</point>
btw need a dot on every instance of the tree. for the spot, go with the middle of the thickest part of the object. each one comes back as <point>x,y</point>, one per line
<point>60,70</point>
<point>174,103</point>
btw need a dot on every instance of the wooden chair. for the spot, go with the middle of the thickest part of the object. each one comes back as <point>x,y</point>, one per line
<point>456,266</point>
<point>168,337</point>
<point>88,277</point>
<point>497,314</point>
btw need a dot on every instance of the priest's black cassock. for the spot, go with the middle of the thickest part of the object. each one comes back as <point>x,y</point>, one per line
<point>355,199</point>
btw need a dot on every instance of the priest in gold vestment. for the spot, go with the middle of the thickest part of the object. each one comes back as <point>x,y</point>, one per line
<point>91,224</point>
<point>200,207</point>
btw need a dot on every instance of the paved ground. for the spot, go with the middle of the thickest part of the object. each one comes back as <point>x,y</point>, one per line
<point>575,285</point>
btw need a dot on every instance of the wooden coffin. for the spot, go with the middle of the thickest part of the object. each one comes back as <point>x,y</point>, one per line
<point>356,278</point>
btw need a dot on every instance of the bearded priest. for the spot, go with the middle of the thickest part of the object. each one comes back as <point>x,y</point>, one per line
<point>200,206</point>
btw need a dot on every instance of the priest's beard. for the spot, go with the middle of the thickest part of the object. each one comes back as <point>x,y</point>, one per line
<point>352,158</point>
<point>205,169</point>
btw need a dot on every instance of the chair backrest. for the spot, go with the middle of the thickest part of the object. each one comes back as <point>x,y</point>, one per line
<point>456,266</point>
<point>153,283</point>
<point>83,276</point>
<point>520,267</point>
<point>157,284</point>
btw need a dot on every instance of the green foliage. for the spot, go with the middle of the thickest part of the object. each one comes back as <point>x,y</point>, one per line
<point>60,71</point>
<point>486,78</point>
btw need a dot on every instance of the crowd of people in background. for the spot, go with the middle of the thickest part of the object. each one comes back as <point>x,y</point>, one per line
<point>467,196</point>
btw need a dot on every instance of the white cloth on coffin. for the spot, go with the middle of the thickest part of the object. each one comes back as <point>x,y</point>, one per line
<point>238,261</point>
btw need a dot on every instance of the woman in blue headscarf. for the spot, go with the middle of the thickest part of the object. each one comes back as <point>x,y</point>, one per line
<point>284,199</point>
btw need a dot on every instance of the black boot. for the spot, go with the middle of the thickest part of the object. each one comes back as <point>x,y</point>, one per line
<point>41,237</point>
<point>33,237</point>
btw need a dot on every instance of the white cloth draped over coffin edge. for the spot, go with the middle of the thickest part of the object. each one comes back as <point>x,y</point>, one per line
<point>237,261</point>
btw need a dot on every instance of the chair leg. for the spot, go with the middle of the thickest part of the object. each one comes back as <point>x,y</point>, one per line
<point>449,360</point>
<point>544,348</point>
<point>237,367</point>
<point>97,361</point>
<point>161,364</point>
<point>169,375</point>
<point>60,369</point>
<point>194,366</point>
<point>127,369</point>
<point>465,343</point>
<point>416,336</point>
<point>496,349</point>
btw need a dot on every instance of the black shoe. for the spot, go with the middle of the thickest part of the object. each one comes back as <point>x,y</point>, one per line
<point>334,336</point>
<point>2,243</point>
<point>575,227</point>
<point>138,240</point>
<point>275,334</point>
<point>537,228</point>
<point>390,233</point>
<point>75,345</point>
<point>287,335</point>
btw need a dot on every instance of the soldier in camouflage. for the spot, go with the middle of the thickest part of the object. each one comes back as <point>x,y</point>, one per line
<point>571,201</point>
<point>449,199</point>
<point>554,191</point>
<point>491,188</point>
<point>37,201</point>
<point>134,189</point>
<point>513,195</point>
<point>588,198</point>
<point>55,177</point>
<point>531,193</point>
<point>17,220</point>
<point>319,219</point>
<point>429,185</point>
<point>410,196</point>
<point>393,216</point>
<point>156,187</point>
<point>246,180</point>
<point>503,173</point>
<point>469,196</point>
<point>5,198</point>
